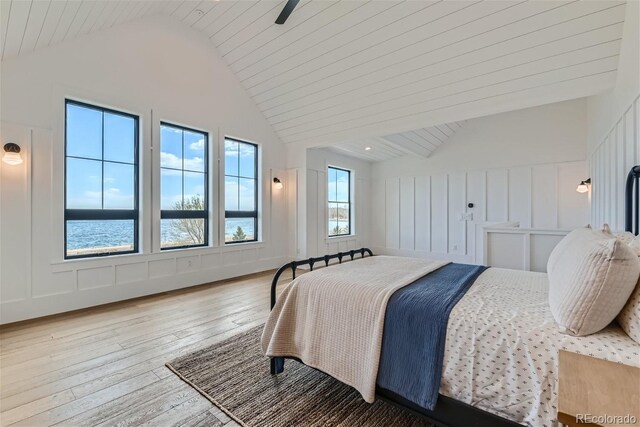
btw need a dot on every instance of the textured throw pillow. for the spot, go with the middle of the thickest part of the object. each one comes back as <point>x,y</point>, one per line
<point>629,317</point>
<point>591,275</point>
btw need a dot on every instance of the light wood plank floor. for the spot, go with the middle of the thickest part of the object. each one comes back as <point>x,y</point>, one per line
<point>105,365</point>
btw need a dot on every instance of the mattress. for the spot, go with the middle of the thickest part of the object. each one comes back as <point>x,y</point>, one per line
<point>502,346</point>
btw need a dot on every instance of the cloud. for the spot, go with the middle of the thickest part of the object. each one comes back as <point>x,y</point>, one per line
<point>246,197</point>
<point>169,160</point>
<point>198,145</point>
<point>233,148</point>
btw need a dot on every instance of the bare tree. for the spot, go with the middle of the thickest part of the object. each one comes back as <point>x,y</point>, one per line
<point>192,227</point>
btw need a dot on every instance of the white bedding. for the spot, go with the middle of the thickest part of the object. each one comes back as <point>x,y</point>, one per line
<point>502,348</point>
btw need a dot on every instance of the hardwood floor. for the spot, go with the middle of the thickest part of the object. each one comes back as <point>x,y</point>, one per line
<point>105,365</point>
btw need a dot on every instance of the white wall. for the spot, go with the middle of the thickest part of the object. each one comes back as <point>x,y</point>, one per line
<point>614,129</point>
<point>317,241</point>
<point>152,65</point>
<point>519,166</point>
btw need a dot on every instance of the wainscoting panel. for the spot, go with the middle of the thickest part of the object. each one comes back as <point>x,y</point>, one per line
<point>520,196</point>
<point>422,219</point>
<point>609,164</point>
<point>162,268</point>
<point>392,213</point>
<point>407,212</point>
<point>497,195</point>
<point>15,227</point>
<point>128,273</point>
<point>505,251</point>
<point>428,216</point>
<point>520,248</point>
<point>545,192</point>
<point>99,277</point>
<point>457,202</point>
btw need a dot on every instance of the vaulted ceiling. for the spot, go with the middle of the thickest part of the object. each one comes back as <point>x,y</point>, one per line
<point>346,71</point>
<point>419,142</point>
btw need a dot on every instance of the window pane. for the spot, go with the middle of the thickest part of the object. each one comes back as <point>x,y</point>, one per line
<point>343,218</point>
<point>230,158</point>
<point>119,138</point>
<point>231,193</point>
<point>171,189</point>
<point>93,237</point>
<point>84,132</point>
<point>342,194</point>
<point>247,194</point>
<point>194,149</point>
<point>331,195</point>
<point>247,154</point>
<point>170,147</point>
<point>239,229</point>
<point>332,219</point>
<point>194,190</point>
<point>118,186</point>
<point>84,184</point>
<point>182,232</point>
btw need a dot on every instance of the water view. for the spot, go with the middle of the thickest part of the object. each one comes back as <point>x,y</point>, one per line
<point>84,237</point>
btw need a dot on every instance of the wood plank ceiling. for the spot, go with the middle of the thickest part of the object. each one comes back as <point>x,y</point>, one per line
<point>344,71</point>
<point>419,142</point>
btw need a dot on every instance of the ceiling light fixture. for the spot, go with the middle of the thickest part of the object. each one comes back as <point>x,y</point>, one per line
<point>367,148</point>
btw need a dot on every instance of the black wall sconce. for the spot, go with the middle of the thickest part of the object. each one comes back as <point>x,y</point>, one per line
<point>583,187</point>
<point>12,154</point>
<point>277,183</point>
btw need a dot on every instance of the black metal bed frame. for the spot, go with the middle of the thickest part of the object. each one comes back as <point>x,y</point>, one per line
<point>632,210</point>
<point>448,411</point>
<point>277,363</point>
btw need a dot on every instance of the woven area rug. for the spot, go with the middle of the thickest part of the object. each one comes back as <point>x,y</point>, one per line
<point>234,375</point>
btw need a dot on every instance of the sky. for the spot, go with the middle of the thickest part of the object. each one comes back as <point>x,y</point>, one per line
<point>338,185</point>
<point>182,154</point>
<point>85,174</point>
<point>181,159</point>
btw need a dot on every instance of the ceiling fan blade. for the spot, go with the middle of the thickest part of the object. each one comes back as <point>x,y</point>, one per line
<point>288,8</point>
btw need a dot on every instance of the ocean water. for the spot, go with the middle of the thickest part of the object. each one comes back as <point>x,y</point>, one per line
<point>99,234</point>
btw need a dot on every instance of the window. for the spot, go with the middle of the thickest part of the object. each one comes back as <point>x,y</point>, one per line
<point>184,209</point>
<point>240,191</point>
<point>339,200</point>
<point>101,181</point>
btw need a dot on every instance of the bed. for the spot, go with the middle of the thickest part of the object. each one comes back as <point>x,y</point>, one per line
<point>499,336</point>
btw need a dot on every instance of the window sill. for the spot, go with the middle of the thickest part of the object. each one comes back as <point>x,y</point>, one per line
<point>229,246</point>
<point>340,238</point>
<point>109,260</point>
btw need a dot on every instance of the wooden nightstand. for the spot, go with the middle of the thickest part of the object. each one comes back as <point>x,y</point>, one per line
<point>599,388</point>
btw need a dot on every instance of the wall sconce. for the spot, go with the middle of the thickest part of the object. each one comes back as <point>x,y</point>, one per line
<point>277,183</point>
<point>583,187</point>
<point>12,154</point>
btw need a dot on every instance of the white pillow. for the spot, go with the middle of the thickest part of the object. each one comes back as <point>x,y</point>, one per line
<point>591,275</point>
<point>629,317</point>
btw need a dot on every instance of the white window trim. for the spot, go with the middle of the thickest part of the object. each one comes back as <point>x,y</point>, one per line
<point>221,194</point>
<point>352,194</point>
<point>60,95</point>
<point>159,117</point>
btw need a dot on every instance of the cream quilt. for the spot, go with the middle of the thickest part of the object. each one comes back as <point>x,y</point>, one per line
<point>502,348</point>
<point>332,318</point>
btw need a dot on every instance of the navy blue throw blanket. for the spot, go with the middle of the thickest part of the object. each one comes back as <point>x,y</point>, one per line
<point>415,332</point>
